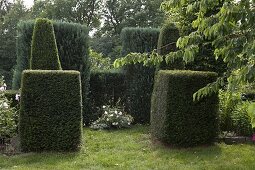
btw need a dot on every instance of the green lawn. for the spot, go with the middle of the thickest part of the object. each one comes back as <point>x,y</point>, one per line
<point>132,149</point>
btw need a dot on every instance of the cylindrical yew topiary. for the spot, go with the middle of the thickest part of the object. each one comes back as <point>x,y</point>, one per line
<point>175,118</point>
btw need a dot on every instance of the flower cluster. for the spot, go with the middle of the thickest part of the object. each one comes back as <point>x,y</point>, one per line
<point>3,85</point>
<point>113,117</point>
<point>8,116</point>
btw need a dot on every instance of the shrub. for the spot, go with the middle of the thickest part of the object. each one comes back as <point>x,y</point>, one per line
<point>72,43</point>
<point>44,52</point>
<point>106,87</point>
<point>8,115</point>
<point>12,97</point>
<point>50,111</point>
<point>98,62</point>
<point>139,79</point>
<point>168,37</point>
<point>8,118</point>
<point>241,120</point>
<point>233,114</point>
<point>175,118</point>
<point>112,117</point>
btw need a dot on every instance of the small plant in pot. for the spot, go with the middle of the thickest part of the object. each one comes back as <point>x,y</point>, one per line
<point>113,118</point>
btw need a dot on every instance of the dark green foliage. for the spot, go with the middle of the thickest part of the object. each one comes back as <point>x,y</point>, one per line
<point>241,121</point>
<point>175,118</point>
<point>11,96</point>
<point>139,82</point>
<point>44,52</point>
<point>50,111</point>
<point>106,88</point>
<point>72,43</point>
<point>139,40</point>
<point>168,37</point>
<point>139,79</point>
<point>233,114</point>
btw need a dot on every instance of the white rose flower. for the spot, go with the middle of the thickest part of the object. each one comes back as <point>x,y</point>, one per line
<point>17,96</point>
<point>111,115</point>
<point>105,112</point>
<point>2,88</point>
<point>116,112</point>
<point>104,107</point>
<point>120,113</point>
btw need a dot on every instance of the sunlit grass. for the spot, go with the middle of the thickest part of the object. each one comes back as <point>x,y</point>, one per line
<point>133,149</point>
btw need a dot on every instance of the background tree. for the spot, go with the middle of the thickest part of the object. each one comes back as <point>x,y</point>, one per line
<point>13,15</point>
<point>80,11</point>
<point>131,13</point>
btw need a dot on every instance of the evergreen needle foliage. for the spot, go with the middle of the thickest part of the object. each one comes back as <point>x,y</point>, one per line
<point>177,119</point>
<point>44,52</point>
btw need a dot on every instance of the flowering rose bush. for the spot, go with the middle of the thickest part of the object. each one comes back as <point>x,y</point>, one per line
<point>113,117</point>
<point>8,116</point>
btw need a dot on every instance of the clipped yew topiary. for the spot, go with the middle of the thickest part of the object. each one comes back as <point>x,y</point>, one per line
<point>50,111</point>
<point>44,52</point>
<point>72,42</point>
<point>169,34</point>
<point>139,79</point>
<point>175,118</point>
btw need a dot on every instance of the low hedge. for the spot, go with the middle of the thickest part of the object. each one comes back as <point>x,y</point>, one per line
<point>106,88</point>
<point>50,111</point>
<point>175,118</point>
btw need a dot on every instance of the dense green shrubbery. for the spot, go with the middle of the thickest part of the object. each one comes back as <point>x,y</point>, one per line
<point>168,37</point>
<point>8,118</point>
<point>139,79</point>
<point>113,117</point>
<point>99,62</point>
<point>8,115</point>
<point>233,114</point>
<point>44,52</point>
<point>72,43</point>
<point>50,111</point>
<point>175,117</point>
<point>106,88</point>
<point>13,97</point>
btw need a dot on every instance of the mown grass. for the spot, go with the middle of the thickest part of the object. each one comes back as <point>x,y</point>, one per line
<point>133,149</point>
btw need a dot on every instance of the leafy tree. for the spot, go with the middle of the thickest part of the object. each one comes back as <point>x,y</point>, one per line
<point>5,6</point>
<point>131,13</point>
<point>98,62</point>
<point>15,12</point>
<point>79,11</point>
<point>230,30</point>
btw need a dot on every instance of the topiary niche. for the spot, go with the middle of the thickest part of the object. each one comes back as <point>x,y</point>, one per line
<point>44,52</point>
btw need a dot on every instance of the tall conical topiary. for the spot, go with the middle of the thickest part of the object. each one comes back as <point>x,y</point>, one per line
<point>44,52</point>
<point>168,37</point>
